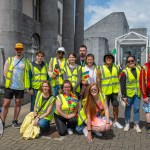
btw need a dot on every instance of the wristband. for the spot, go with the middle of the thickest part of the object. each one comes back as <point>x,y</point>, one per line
<point>89,130</point>
<point>107,123</point>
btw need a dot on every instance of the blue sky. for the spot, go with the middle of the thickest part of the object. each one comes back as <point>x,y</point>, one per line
<point>93,3</point>
<point>137,12</point>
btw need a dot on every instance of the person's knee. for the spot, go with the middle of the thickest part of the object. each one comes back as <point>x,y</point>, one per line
<point>6,105</point>
<point>18,103</point>
<point>62,132</point>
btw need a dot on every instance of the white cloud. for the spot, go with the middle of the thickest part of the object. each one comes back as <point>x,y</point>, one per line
<point>137,12</point>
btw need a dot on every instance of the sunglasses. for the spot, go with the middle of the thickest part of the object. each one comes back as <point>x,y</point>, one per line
<point>60,52</point>
<point>94,90</point>
<point>130,61</point>
<point>108,57</point>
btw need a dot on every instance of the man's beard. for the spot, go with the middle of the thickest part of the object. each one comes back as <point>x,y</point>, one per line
<point>19,54</point>
<point>82,55</point>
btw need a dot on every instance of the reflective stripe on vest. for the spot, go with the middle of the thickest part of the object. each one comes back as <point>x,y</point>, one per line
<point>38,104</point>
<point>9,73</point>
<point>59,79</point>
<point>73,76</point>
<point>64,105</point>
<point>109,80</point>
<point>132,84</point>
<point>38,76</point>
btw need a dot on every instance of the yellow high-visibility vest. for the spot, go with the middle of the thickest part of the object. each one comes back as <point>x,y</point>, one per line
<point>59,80</point>
<point>9,74</point>
<point>73,76</point>
<point>64,105</point>
<point>39,103</point>
<point>109,80</point>
<point>38,76</point>
<point>132,84</point>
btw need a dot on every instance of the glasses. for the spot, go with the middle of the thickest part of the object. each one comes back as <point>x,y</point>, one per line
<point>60,52</point>
<point>94,90</point>
<point>130,61</point>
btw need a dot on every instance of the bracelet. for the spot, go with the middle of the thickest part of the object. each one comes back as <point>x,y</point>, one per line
<point>107,123</point>
<point>89,130</point>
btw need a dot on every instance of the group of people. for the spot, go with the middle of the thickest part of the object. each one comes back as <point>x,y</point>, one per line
<point>75,91</point>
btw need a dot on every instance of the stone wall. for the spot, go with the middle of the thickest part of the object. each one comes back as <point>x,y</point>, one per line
<point>97,46</point>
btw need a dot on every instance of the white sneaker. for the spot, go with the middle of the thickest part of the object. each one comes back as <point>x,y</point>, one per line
<point>127,127</point>
<point>70,132</point>
<point>85,131</point>
<point>117,125</point>
<point>137,128</point>
<point>97,133</point>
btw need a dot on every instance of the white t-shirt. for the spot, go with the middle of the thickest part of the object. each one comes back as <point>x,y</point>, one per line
<point>92,74</point>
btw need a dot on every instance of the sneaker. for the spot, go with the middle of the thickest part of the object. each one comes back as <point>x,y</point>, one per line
<point>85,131</point>
<point>99,134</point>
<point>70,132</point>
<point>137,128</point>
<point>15,124</point>
<point>117,125</point>
<point>127,127</point>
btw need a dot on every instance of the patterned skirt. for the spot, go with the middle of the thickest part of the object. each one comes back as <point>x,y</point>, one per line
<point>146,107</point>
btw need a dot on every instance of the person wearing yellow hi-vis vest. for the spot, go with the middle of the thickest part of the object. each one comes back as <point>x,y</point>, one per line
<point>16,72</point>
<point>109,83</point>
<point>43,107</point>
<point>55,71</point>
<point>72,72</point>
<point>91,116</point>
<point>130,89</point>
<point>66,109</point>
<point>38,74</point>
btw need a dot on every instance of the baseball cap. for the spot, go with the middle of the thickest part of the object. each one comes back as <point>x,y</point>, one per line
<point>62,49</point>
<point>19,45</point>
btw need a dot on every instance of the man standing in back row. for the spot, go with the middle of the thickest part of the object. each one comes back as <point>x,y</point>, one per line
<point>16,72</point>
<point>81,60</point>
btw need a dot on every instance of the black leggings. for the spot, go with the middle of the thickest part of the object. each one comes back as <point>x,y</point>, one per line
<point>62,124</point>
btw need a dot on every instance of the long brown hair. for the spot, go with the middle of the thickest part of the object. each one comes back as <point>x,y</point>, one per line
<point>90,105</point>
<point>50,88</point>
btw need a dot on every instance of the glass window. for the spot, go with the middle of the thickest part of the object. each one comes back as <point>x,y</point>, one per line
<point>36,10</point>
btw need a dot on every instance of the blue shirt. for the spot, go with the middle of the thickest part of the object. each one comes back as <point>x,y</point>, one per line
<point>18,75</point>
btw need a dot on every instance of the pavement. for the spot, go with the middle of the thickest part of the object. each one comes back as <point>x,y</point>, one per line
<point>115,139</point>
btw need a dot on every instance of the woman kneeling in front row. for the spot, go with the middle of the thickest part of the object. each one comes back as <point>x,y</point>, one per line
<point>66,109</point>
<point>92,112</point>
<point>43,107</point>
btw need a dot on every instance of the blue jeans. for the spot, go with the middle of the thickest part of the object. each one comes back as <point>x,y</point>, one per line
<point>135,101</point>
<point>55,90</point>
<point>44,124</point>
<point>33,97</point>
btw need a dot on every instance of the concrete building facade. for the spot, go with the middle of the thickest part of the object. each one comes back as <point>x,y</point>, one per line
<point>44,24</point>
<point>40,24</point>
<point>109,28</point>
